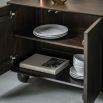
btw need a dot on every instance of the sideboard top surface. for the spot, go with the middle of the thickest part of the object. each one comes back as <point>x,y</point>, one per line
<point>94,7</point>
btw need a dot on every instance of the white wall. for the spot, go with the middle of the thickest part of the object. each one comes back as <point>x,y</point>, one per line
<point>3,2</point>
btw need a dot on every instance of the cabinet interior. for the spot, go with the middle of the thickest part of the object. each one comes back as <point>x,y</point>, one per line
<point>26,44</point>
<point>28,18</point>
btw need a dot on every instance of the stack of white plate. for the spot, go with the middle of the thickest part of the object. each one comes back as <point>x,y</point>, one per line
<point>77,70</point>
<point>50,31</point>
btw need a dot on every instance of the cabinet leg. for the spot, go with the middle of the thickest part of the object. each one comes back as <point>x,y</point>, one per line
<point>82,97</point>
<point>22,77</point>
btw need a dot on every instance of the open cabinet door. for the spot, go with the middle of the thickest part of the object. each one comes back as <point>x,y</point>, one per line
<point>6,40</point>
<point>92,51</point>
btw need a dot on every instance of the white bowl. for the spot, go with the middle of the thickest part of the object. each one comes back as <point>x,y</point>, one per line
<point>78,63</point>
<point>78,59</point>
<point>79,70</point>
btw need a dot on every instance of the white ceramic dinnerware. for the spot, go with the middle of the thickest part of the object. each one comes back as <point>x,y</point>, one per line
<point>50,31</point>
<point>75,74</point>
<point>77,70</point>
<point>78,63</point>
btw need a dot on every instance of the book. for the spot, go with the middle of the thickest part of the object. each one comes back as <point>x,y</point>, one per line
<point>44,63</point>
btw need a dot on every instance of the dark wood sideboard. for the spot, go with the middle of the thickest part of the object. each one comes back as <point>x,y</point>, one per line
<point>83,17</point>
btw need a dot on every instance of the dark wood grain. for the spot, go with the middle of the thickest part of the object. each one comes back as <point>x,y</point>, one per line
<point>6,40</point>
<point>94,7</point>
<point>102,59</point>
<point>23,19</point>
<point>4,11</point>
<point>92,81</point>
<point>5,37</point>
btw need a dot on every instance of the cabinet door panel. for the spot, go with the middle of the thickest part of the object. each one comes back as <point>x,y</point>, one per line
<point>6,40</point>
<point>4,11</point>
<point>92,51</point>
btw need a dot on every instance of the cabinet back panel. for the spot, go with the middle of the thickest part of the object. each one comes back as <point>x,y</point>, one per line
<point>27,19</point>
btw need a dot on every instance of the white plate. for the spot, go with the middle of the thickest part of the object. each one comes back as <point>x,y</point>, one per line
<point>50,30</point>
<point>50,37</point>
<point>73,73</point>
<point>76,77</point>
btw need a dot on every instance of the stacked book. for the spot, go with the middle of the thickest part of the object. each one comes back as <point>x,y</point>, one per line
<point>45,64</point>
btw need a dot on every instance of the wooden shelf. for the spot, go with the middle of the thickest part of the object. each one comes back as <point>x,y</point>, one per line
<point>62,78</point>
<point>67,81</point>
<point>94,7</point>
<point>72,42</point>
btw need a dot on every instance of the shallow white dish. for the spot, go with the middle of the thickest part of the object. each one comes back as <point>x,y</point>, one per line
<point>51,37</point>
<point>73,73</point>
<point>50,31</point>
<point>75,76</point>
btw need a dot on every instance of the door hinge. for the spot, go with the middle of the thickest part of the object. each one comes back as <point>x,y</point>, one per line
<point>12,14</point>
<point>14,60</point>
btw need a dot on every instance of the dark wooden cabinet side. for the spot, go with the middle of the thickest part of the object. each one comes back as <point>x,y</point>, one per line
<point>92,49</point>
<point>6,39</point>
<point>102,60</point>
<point>4,11</point>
